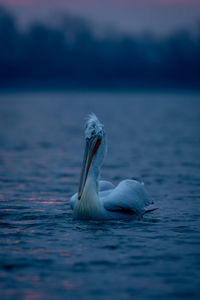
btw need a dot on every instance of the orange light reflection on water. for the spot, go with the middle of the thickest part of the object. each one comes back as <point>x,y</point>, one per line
<point>31,295</point>
<point>51,200</point>
<point>65,254</point>
<point>67,285</point>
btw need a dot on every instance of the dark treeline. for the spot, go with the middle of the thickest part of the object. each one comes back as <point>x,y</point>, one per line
<point>72,55</point>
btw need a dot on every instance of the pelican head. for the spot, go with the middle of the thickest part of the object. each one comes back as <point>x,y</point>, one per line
<point>94,151</point>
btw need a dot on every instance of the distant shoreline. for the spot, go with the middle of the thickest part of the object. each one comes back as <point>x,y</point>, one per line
<point>71,56</point>
<point>99,89</point>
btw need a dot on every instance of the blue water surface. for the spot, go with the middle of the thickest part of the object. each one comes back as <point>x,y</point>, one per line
<point>44,253</point>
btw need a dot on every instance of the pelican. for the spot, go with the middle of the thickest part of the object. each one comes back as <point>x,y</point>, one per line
<point>101,200</point>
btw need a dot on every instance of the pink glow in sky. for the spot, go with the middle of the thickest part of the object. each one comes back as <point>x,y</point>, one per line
<point>93,2</point>
<point>17,2</point>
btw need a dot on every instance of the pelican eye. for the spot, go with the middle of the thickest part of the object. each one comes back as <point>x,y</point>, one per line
<point>93,132</point>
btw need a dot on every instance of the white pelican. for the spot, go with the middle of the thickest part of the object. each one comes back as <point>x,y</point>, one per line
<point>98,200</point>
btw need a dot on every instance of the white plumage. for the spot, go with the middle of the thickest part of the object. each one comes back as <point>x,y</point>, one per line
<point>99,200</point>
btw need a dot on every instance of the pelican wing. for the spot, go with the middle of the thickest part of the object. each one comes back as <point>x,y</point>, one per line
<point>105,185</point>
<point>128,197</point>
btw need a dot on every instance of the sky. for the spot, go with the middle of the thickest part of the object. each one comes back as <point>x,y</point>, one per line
<point>157,16</point>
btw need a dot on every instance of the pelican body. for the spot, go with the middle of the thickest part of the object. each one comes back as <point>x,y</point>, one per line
<point>101,200</point>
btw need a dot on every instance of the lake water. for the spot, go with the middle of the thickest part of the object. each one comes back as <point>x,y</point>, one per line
<point>44,253</point>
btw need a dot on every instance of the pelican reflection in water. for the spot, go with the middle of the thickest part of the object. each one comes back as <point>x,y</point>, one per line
<point>98,200</point>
